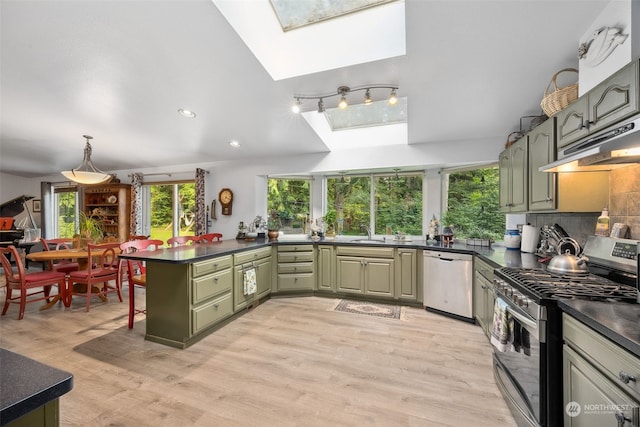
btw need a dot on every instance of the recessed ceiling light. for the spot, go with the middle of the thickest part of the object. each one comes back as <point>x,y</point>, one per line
<point>234,144</point>
<point>187,113</point>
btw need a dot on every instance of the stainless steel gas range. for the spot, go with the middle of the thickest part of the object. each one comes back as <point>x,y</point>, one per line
<point>529,370</point>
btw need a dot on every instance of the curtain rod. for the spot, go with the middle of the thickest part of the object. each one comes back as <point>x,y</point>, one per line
<point>164,173</point>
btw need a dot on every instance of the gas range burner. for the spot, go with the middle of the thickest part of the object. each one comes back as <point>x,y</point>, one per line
<point>543,284</point>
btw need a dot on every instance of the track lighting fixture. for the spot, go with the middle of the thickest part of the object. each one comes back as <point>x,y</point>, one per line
<point>342,92</point>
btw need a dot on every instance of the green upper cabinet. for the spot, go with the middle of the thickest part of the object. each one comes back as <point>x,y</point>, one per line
<point>513,164</point>
<point>609,102</point>
<point>542,151</point>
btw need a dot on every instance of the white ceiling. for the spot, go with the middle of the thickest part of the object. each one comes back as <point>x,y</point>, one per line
<point>120,70</point>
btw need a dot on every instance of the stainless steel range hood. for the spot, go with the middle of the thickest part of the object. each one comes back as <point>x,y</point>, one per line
<point>614,147</point>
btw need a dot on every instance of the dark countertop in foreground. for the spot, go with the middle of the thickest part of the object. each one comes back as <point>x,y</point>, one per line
<point>27,384</point>
<point>620,322</point>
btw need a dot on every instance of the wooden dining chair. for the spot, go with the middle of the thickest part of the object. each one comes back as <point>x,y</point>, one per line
<point>210,237</point>
<point>23,282</point>
<point>182,240</point>
<point>61,265</point>
<point>136,237</point>
<point>136,271</point>
<point>102,267</point>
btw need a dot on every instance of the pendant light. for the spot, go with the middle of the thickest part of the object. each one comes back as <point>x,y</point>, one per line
<point>86,172</point>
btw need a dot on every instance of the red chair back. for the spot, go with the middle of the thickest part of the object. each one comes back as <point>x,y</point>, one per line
<point>11,277</point>
<point>63,265</point>
<point>181,240</point>
<point>210,237</point>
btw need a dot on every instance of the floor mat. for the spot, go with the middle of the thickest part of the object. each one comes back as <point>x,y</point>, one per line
<point>369,308</point>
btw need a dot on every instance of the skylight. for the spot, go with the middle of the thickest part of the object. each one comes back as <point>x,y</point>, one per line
<point>293,14</point>
<point>374,33</point>
<point>375,125</point>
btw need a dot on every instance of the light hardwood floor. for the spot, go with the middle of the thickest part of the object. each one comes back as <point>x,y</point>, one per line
<point>288,362</point>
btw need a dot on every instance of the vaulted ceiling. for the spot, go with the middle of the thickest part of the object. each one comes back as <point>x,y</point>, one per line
<point>120,70</point>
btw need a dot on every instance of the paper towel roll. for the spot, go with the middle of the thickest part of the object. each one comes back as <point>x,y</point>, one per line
<point>530,238</point>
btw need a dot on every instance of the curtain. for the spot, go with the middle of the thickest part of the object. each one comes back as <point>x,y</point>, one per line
<point>201,218</point>
<point>135,227</point>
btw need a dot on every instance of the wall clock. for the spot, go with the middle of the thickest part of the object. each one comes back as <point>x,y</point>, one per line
<point>226,199</point>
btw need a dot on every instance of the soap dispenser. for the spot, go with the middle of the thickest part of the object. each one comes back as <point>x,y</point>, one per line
<point>602,225</point>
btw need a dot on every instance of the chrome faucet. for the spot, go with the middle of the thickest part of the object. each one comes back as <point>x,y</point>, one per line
<point>366,227</point>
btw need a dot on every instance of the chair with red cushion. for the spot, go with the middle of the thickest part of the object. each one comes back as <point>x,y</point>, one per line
<point>132,237</point>
<point>23,282</point>
<point>62,265</point>
<point>136,270</point>
<point>102,267</point>
<point>182,240</point>
<point>208,238</point>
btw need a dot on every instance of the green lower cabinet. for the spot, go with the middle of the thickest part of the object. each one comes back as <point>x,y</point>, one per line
<point>326,268</point>
<point>295,269</point>
<point>263,283</point>
<point>407,274</point>
<point>365,276</point>
<point>47,415</point>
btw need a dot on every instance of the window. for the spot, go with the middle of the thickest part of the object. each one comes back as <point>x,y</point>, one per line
<point>472,204</point>
<point>394,205</point>
<point>290,200</point>
<point>65,222</point>
<point>169,210</point>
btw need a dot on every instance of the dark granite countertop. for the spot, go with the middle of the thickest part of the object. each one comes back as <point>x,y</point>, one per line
<point>620,322</point>
<point>26,384</point>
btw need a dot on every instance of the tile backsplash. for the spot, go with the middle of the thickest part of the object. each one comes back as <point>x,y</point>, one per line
<point>624,207</point>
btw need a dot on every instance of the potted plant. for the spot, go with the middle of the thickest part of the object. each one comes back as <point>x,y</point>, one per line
<point>330,221</point>
<point>273,226</point>
<point>90,230</point>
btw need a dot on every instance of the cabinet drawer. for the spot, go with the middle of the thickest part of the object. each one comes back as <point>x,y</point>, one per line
<point>253,255</point>
<point>611,359</point>
<point>295,248</point>
<point>365,251</point>
<point>295,256</point>
<point>207,286</point>
<point>211,265</point>
<point>211,312</point>
<point>290,282</point>
<point>296,267</point>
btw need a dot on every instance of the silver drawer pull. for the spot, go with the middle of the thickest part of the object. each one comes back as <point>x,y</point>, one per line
<point>625,378</point>
<point>215,279</point>
<point>216,306</point>
<point>215,265</point>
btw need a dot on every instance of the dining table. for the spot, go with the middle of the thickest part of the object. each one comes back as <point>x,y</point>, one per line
<point>81,256</point>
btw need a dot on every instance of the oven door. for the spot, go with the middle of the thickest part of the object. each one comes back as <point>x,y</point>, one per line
<point>517,373</point>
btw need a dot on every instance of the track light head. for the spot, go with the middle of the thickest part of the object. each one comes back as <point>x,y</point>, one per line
<point>393,98</point>
<point>367,97</point>
<point>320,106</point>
<point>343,104</point>
<point>295,109</point>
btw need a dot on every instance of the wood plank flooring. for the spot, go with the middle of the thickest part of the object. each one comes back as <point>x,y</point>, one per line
<point>288,362</point>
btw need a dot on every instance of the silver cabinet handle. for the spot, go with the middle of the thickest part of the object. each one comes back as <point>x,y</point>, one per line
<point>621,418</point>
<point>216,306</point>
<point>625,378</point>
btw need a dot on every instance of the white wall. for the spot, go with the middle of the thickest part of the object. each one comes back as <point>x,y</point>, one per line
<point>12,186</point>
<point>247,178</point>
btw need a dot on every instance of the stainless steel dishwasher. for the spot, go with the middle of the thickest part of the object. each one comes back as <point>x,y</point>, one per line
<point>448,284</point>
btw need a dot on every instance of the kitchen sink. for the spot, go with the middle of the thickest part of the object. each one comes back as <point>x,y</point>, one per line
<point>368,241</point>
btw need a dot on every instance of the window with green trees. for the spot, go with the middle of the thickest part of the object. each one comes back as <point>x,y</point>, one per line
<point>161,204</point>
<point>289,201</point>
<point>395,204</point>
<point>66,215</point>
<point>472,204</point>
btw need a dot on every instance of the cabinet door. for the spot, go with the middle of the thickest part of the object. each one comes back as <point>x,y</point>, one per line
<point>379,277</point>
<point>479,299</point>
<point>504,165</point>
<point>542,150</point>
<point>599,401</point>
<point>614,99</point>
<point>519,176</point>
<point>326,269</point>
<point>406,275</point>
<point>240,300</point>
<point>350,271</point>
<point>571,123</point>
<point>490,300</point>
<point>263,276</point>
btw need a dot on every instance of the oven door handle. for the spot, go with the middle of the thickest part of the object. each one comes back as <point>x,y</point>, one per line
<point>524,320</point>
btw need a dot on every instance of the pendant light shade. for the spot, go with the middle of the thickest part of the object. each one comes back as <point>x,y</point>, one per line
<point>86,172</point>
